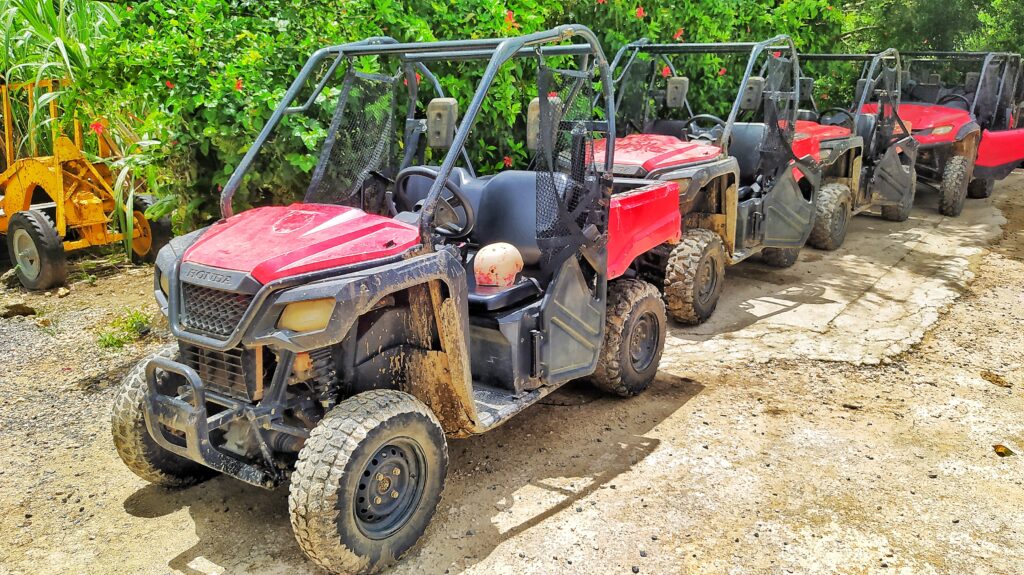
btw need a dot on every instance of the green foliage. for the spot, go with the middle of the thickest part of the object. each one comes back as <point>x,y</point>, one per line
<point>214,70</point>
<point>126,328</point>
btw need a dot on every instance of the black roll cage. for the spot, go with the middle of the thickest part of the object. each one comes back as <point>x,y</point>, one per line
<point>1009,60</point>
<point>777,43</point>
<point>497,51</point>
<point>872,63</point>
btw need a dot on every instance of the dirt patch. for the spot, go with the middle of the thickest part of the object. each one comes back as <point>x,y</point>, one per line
<point>764,461</point>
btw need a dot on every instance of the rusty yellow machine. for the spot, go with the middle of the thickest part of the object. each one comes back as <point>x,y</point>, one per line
<point>58,203</point>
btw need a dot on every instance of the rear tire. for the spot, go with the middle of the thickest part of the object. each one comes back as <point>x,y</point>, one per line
<point>36,251</point>
<point>343,510</point>
<point>133,442</point>
<point>953,190</point>
<point>832,219</point>
<point>780,257</point>
<point>981,188</point>
<point>695,276</point>
<point>634,338</point>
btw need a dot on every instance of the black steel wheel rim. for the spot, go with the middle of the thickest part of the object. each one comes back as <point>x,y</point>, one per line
<point>840,222</point>
<point>390,488</point>
<point>643,341</point>
<point>707,280</point>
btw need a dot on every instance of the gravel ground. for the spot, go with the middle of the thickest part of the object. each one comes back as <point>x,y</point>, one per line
<point>787,465</point>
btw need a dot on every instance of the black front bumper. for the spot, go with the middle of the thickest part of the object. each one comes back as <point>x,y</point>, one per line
<point>187,413</point>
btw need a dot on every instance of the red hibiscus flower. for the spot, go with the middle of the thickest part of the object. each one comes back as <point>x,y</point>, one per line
<point>97,127</point>
<point>169,84</point>
<point>678,35</point>
<point>721,72</point>
<point>552,95</point>
<point>508,161</point>
<point>602,1</point>
<point>666,72</point>
<point>238,85</point>
<point>640,13</point>
<point>510,19</point>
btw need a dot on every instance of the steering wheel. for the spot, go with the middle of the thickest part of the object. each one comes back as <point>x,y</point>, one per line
<point>686,125</point>
<point>840,111</point>
<point>451,224</point>
<point>951,97</point>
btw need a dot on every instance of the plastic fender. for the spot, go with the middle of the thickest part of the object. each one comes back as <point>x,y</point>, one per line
<point>640,220</point>
<point>1001,148</point>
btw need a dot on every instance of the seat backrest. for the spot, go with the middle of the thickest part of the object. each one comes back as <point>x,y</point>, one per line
<point>666,128</point>
<point>864,126</point>
<point>508,213</point>
<point>745,146</point>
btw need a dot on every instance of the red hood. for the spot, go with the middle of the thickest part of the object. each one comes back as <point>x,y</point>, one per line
<point>927,116</point>
<point>654,152</point>
<point>821,132</point>
<point>280,241</point>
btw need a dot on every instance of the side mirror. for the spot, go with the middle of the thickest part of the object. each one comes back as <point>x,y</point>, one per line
<point>441,116</point>
<point>675,92</point>
<point>806,88</point>
<point>862,87</point>
<point>533,121</point>
<point>971,81</point>
<point>753,93</point>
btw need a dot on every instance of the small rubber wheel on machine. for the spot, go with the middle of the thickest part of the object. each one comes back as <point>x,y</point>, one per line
<point>780,257</point>
<point>832,219</point>
<point>153,234</point>
<point>981,188</point>
<point>634,338</point>
<point>695,276</point>
<point>36,251</point>
<point>367,481</point>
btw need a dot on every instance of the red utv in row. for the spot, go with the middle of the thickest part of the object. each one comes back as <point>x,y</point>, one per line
<point>748,178</point>
<point>868,160</point>
<point>960,107</point>
<point>340,340</point>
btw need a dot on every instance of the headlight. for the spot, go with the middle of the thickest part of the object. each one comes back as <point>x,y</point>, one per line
<point>941,130</point>
<point>311,315</point>
<point>165,284</point>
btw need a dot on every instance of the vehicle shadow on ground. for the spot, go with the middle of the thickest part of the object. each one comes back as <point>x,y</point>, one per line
<point>543,462</point>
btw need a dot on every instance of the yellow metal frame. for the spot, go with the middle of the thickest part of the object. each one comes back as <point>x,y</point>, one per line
<point>82,191</point>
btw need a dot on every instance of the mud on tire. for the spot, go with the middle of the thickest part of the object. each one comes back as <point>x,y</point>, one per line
<point>634,338</point>
<point>780,257</point>
<point>980,188</point>
<point>340,474</point>
<point>132,441</point>
<point>832,219</point>
<point>955,179</point>
<point>694,276</point>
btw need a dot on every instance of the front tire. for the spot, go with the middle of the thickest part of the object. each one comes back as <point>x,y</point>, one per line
<point>133,442</point>
<point>634,338</point>
<point>780,257</point>
<point>695,276</point>
<point>832,219</point>
<point>953,190</point>
<point>36,250</point>
<point>343,505</point>
<point>981,188</point>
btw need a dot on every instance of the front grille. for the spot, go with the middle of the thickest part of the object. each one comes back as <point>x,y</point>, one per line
<point>212,311</point>
<point>234,372</point>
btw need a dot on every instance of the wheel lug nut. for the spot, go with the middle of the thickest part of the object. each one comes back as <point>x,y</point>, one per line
<point>380,477</point>
<point>396,472</point>
<point>377,500</point>
<point>394,495</point>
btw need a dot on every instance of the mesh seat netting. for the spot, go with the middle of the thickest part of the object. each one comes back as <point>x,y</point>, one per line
<point>359,144</point>
<point>568,191</point>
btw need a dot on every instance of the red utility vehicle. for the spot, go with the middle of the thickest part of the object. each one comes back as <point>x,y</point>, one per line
<point>960,106</point>
<point>870,163</point>
<point>748,182</point>
<point>341,339</point>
